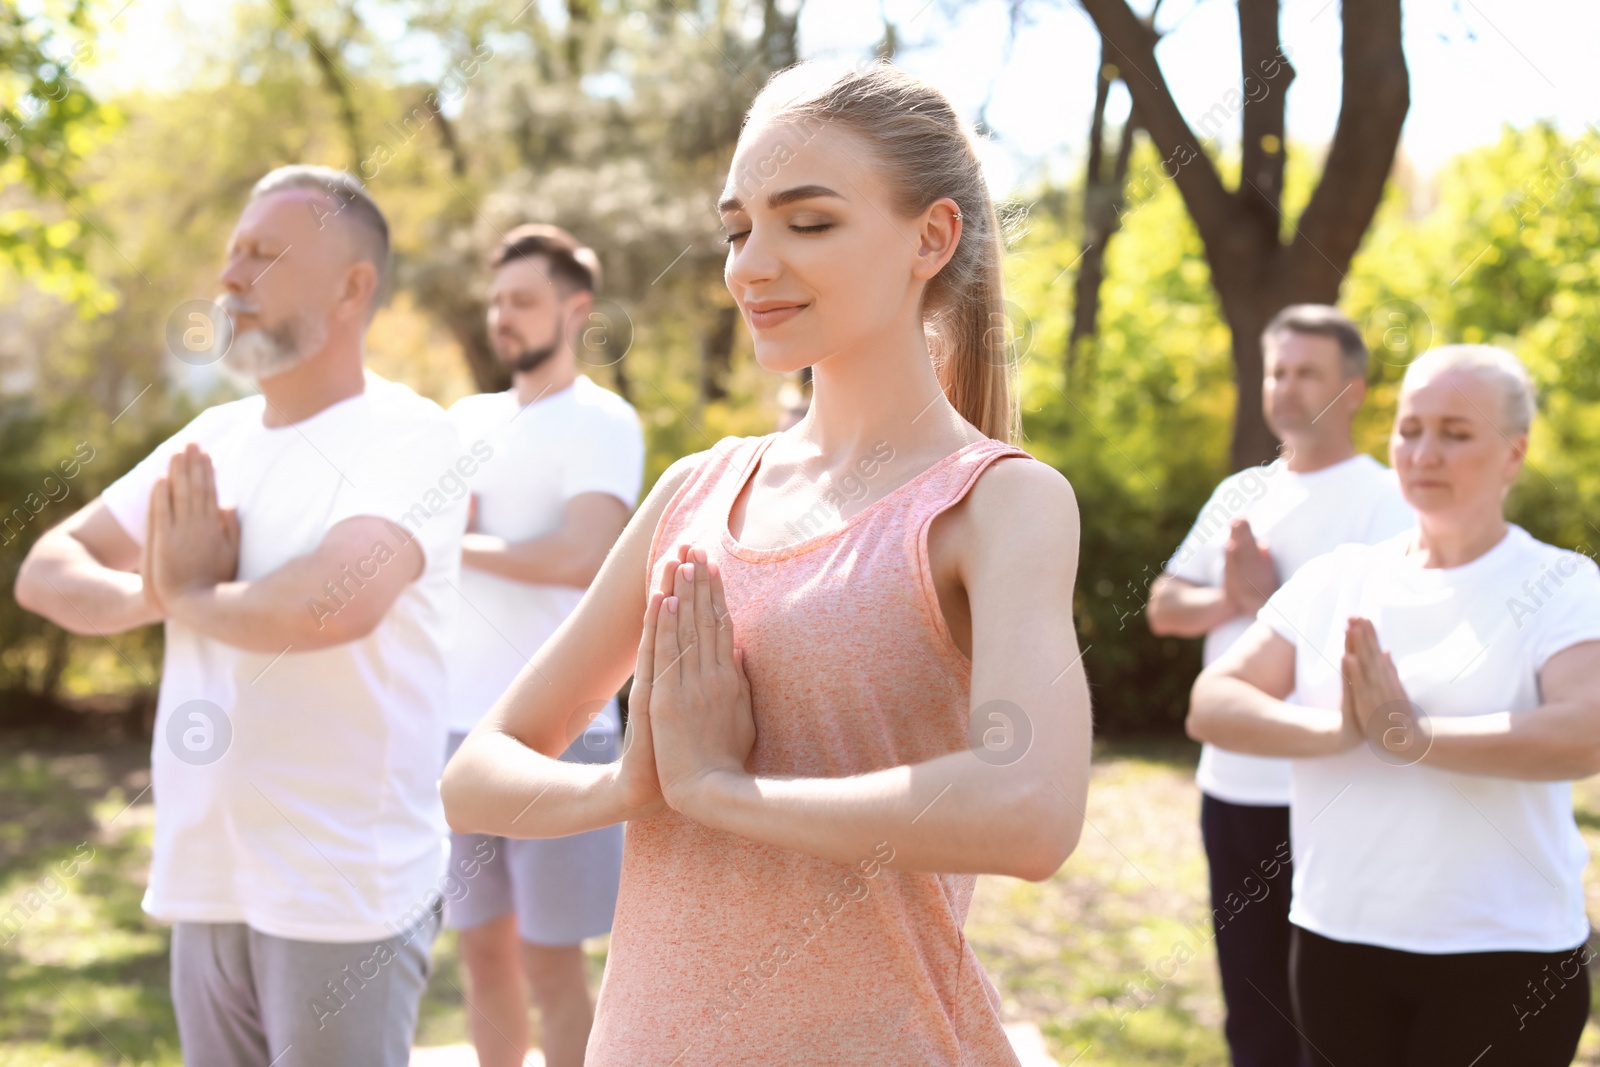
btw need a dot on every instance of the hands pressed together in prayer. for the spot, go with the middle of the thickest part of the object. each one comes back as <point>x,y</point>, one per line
<point>1249,576</point>
<point>190,542</point>
<point>689,713</point>
<point>1376,705</point>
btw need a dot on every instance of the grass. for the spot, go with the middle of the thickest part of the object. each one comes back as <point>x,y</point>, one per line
<point>1110,957</point>
<point>1099,955</point>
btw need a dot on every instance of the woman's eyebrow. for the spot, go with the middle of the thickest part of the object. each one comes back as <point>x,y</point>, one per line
<point>780,198</point>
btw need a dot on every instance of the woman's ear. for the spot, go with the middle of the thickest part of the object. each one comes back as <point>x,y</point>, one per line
<point>938,236</point>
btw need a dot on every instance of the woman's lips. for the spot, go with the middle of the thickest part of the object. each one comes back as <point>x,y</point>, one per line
<point>765,320</point>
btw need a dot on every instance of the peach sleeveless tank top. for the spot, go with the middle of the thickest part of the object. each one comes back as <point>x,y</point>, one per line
<point>730,952</point>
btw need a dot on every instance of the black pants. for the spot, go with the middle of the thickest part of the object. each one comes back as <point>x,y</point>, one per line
<point>1248,850</point>
<point>1365,1006</point>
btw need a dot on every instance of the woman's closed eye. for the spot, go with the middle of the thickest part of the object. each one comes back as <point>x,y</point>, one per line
<point>819,227</point>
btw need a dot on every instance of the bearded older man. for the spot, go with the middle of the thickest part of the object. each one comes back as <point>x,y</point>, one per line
<point>300,546</point>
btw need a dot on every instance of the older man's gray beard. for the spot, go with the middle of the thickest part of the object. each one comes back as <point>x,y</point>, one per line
<point>259,353</point>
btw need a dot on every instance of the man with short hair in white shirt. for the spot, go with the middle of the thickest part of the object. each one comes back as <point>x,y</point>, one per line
<point>1439,693</point>
<point>299,546</point>
<point>563,460</point>
<point>1259,527</point>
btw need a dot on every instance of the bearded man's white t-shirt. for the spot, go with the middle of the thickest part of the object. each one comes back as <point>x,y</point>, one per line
<point>297,791</point>
<point>1299,516</point>
<point>535,458</point>
<point>1412,857</point>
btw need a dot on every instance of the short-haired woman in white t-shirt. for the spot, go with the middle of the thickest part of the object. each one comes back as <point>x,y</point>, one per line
<point>1446,691</point>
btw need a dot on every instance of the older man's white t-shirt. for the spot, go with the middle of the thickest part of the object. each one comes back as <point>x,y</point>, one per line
<point>1413,857</point>
<point>297,791</point>
<point>581,439</point>
<point>1299,516</point>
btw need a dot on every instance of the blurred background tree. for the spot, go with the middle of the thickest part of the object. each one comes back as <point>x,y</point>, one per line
<point>48,122</point>
<point>1262,257</point>
<point>617,120</point>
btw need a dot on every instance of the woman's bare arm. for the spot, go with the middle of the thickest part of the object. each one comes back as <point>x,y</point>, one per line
<point>506,778</point>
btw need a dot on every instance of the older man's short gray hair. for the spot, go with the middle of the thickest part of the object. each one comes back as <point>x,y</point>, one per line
<point>1498,367</point>
<point>349,203</point>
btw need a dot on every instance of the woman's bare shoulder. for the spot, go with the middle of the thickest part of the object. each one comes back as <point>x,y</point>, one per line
<point>683,469</point>
<point>1013,482</point>
<point>1020,504</point>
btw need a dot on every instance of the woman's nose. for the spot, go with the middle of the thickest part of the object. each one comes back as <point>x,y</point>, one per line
<point>752,261</point>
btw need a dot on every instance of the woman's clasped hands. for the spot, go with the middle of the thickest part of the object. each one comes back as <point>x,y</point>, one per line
<point>689,712</point>
<point>1376,704</point>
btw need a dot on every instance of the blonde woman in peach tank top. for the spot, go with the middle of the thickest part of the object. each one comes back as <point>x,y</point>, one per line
<point>856,680</point>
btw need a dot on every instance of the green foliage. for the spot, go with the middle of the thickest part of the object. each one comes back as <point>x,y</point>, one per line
<point>1140,429</point>
<point>48,124</point>
<point>619,124</point>
<point>1504,251</point>
<point>1507,253</point>
<point>54,459</point>
<point>526,127</point>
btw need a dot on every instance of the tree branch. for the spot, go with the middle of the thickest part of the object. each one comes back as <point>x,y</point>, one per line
<point>1086,295</point>
<point>1119,176</point>
<point>447,134</point>
<point>779,41</point>
<point>1374,99</point>
<point>1097,123</point>
<point>333,79</point>
<point>1212,208</point>
<point>1266,85</point>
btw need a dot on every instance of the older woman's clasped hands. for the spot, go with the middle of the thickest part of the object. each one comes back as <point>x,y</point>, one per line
<point>1376,704</point>
<point>1376,707</point>
<point>1429,893</point>
<point>689,712</point>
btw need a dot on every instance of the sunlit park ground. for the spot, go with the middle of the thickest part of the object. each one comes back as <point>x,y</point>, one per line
<point>1092,956</point>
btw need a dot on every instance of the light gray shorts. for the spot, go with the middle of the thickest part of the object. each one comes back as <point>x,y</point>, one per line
<point>247,999</point>
<point>562,889</point>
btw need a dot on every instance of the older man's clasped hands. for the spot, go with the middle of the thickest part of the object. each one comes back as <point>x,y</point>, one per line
<point>190,540</point>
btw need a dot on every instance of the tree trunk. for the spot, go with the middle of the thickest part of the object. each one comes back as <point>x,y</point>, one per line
<point>466,322</point>
<point>716,354</point>
<point>1103,197</point>
<point>1086,287</point>
<point>1252,292</point>
<point>1253,443</point>
<point>1254,270</point>
<point>58,650</point>
<point>780,43</point>
<point>447,136</point>
<point>624,384</point>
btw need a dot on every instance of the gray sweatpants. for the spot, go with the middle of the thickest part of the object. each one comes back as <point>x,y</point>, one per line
<point>247,999</point>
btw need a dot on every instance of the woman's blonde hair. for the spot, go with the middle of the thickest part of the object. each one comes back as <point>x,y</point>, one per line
<point>925,152</point>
